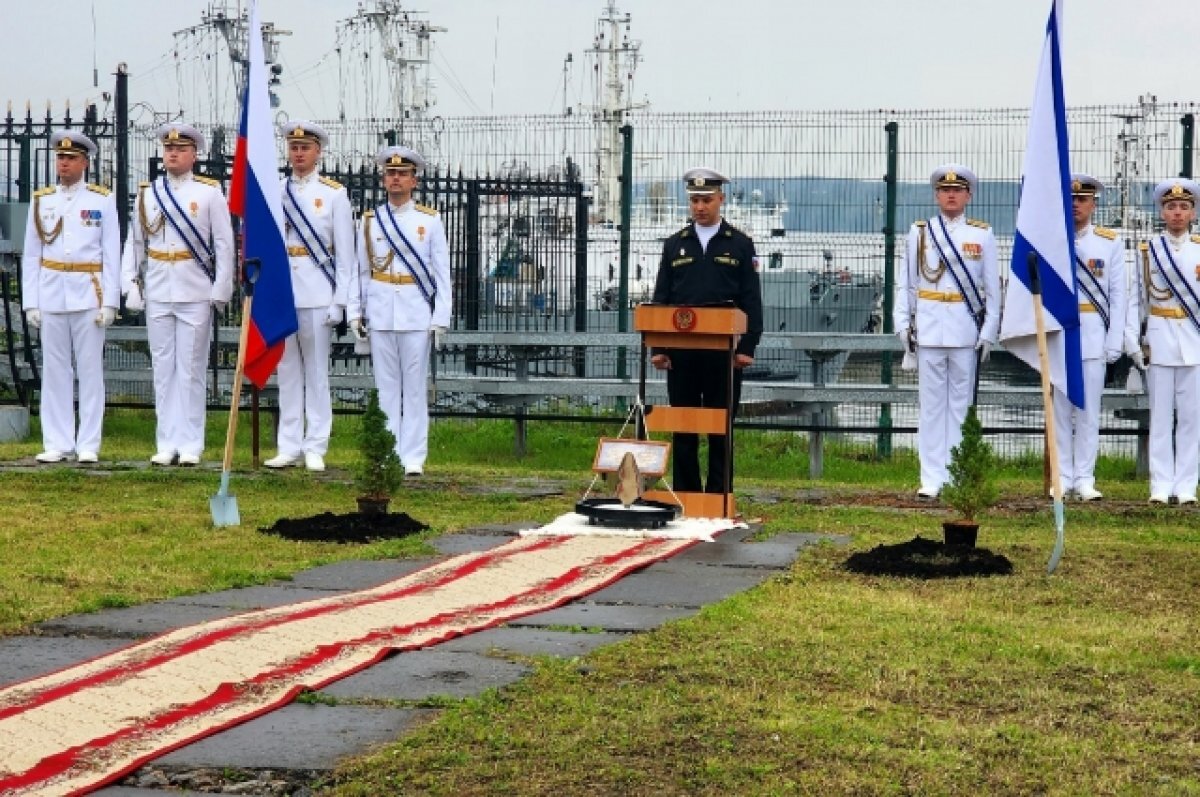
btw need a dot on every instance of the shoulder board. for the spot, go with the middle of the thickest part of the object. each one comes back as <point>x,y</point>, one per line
<point>206,180</point>
<point>920,222</point>
<point>1143,246</point>
<point>983,225</point>
<point>47,191</point>
<point>329,181</point>
<point>1106,233</point>
<point>1196,239</point>
<point>425,209</point>
<point>99,189</point>
<point>685,232</point>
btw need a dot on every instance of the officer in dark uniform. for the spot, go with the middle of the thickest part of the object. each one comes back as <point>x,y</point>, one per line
<point>707,262</point>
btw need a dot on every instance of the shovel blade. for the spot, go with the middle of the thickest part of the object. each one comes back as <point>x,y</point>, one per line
<point>224,506</point>
<point>224,510</point>
<point>1060,538</point>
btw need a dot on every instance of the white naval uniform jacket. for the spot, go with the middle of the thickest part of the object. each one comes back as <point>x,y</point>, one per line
<point>180,280</point>
<point>948,323</point>
<point>89,233</point>
<point>327,207</point>
<point>1103,253</point>
<point>1172,341</point>
<point>398,307</point>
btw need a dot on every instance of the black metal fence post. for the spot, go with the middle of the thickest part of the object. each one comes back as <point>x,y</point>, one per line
<point>122,149</point>
<point>1188,121</point>
<point>883,446</point>
<point>473,288</point>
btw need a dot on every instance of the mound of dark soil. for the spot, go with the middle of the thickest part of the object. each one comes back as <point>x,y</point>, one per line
<point>922,558</point>
<point>351,527</point>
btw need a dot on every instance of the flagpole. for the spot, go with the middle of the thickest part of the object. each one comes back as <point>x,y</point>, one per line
<point>1035,288</point>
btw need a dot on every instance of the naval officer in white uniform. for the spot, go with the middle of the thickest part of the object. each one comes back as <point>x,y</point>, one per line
<point>178,265</point>
<point>947,312</point>
<point>70,283</point>
<point>1103,303</point>
<point>320,242</point>
<point>1167,281</point>
<point>402,297</point>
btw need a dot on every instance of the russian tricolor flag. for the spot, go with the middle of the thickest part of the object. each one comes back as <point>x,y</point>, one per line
<point>254,196</point>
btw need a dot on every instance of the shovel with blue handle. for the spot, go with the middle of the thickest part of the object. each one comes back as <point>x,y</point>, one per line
<point>1035,288</point>
<point>224,505</point>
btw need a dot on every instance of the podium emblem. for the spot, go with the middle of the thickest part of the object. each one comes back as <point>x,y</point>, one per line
<point>684,319</point>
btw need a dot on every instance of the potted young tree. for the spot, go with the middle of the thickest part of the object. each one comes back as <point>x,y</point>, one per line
<point>971,490</point>
<point>379,473</point>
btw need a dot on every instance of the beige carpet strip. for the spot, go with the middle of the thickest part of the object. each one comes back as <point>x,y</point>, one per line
<point>80,728</point>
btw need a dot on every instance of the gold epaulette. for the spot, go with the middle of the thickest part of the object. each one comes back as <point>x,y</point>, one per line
<point>920,223</point>
<point>329,181</point>
<point>99,189</point>
<point>47,191</point>
<point>1143,246</point>
<point>206,180</point>
<point>1196,239</point>
<point>983,225</point>
<point>1104,232</point>
<point>426,209</point>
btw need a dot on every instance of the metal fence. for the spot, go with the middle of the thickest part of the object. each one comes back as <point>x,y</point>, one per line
<point>531,205</point>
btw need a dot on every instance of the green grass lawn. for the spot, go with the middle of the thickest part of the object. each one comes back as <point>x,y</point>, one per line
<point>817,682</point>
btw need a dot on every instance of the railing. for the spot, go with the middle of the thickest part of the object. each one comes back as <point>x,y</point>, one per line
<point>806,406</point>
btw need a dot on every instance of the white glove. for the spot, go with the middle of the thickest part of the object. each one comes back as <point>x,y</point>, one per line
<point>1112,355</point>
<point>134,302</point>
<point>908,339</point>
<point>34,317</point>
<point>106,316</point>
<point>984,347</point>
<point>218,305</point>
<point>359,328</point>
<point>439,338</point>
<point>1138,357</point>
<point>333,316</point>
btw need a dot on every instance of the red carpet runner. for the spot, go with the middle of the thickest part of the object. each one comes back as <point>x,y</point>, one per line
<point>83,727</point>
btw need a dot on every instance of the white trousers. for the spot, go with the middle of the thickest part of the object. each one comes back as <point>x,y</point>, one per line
<point>304,387</point>
<point>946,377</point>
<point>1174,392</point>
<point>1077,432</point>
<point>179,334</point>
<point>67,336</point>
<point>401,364</point>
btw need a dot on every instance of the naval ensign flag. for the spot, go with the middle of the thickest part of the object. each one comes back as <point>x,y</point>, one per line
<point>1045,226</point>
<point>254,196</point>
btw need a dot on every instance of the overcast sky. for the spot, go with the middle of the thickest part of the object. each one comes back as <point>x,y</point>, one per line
<point>506,56</point>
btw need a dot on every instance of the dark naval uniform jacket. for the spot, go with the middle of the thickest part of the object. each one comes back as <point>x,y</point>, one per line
<point>727,271</point>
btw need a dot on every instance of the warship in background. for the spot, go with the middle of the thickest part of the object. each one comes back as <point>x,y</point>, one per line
<point>812,282</point>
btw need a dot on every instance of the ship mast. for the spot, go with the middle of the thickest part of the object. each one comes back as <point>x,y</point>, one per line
<point>226,22</point>
<point>616,58</point>
<point>405,40</point>
<point>1133,146</point>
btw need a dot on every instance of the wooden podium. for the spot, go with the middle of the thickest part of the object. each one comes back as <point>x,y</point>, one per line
<point>684,327</point>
